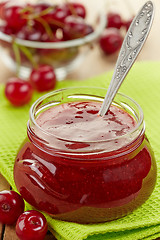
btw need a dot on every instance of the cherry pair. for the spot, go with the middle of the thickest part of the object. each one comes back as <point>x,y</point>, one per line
<point>19,92</point>
<point>111,39</point>
<point>30,225</point>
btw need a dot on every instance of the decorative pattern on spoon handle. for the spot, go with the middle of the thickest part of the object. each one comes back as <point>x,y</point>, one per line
<point>132,44</point>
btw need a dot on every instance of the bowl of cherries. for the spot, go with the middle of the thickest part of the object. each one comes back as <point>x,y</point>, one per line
<point>58,34</point>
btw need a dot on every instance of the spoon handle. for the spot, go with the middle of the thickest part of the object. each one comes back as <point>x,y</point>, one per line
<point>132,45</point>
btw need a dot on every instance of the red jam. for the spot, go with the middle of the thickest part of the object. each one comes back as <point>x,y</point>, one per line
<point>78,166</point>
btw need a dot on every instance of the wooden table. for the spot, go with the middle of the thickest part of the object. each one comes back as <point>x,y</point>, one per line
<point>94,64</point>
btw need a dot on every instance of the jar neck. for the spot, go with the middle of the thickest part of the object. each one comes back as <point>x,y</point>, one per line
<point>53,145</point>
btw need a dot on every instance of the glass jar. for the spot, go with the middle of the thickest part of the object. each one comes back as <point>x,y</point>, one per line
<point>85,181</point>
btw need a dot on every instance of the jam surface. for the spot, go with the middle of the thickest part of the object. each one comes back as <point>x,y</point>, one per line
<point>89,185</point>
<point>79,121</point>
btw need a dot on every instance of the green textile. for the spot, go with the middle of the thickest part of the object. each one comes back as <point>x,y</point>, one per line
<point>143,85</point>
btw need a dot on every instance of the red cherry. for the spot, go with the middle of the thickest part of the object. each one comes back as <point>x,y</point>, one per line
<point>6,29</point>
<point>11,206</point>
<point>29,33</point>
<point>43,78</point>
<point>49,16</point>
<point>114,20</point>
<point>76,9</point>
<point>31,225</point>
<point>18,91</point>
<point>75,27</point>
<point>57,16</point>
<point>14,17</point>
<point>110,41</point>
<point>39,7</point>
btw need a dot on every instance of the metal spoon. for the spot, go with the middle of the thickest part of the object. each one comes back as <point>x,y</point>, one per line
<point>131,47</point>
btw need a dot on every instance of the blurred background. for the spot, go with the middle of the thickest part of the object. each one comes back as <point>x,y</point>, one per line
<point>150,51</point>
<point>96,61</point>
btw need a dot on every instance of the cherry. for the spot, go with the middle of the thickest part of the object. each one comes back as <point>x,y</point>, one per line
<point>14,17</point>
<point>31,225</point>
<point>38,9</point>
<point>110,41</point>
<point>11,206</point>
<point>18,91</point>
<point>6,29</point>
<point>43,78</point>
<point>75,27</point>
<point>57,16</point>
<point>29,33</point>
<point>114,20</point>
<point>76,9</point>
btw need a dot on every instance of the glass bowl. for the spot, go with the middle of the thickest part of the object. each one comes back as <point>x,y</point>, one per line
<point>85,180</point>
<point>64,56</point>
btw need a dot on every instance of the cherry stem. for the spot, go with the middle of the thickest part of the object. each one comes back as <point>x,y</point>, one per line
<point>46,27</point>
<point>72,9</point>
<point>28,54</point>
<point>17,57</point>
<point>38,16</point>
<point>57,23</point>
<point>41,14</point>
<point>46,11</point>
<point>26,9</point>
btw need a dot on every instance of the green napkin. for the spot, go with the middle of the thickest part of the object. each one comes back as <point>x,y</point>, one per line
<point>143,85</point>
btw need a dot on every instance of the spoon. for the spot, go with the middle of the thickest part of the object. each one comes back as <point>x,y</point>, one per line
<point>131,47</point>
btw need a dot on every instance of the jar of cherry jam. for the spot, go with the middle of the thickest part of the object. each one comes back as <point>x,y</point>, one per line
<point>81,167</point>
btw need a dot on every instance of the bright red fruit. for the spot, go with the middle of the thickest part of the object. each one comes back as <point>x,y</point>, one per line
<point>43,78</point>
<point>110,41</point>
<point>28,33</point>
<point>76,9</point>
<point>114,20</point>
<point>14,17</point>
<point>75,27</point>
<point>11,206</point>
<point>31,225</point>
<point>6,29</point>
<point>57,16</point>
<point>18,91</point>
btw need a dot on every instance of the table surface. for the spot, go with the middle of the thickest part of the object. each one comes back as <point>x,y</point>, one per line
<point>94,64</point>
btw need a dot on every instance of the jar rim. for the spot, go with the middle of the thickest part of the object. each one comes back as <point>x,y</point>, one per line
<point>140,122</point>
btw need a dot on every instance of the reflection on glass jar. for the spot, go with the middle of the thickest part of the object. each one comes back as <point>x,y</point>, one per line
<point>78,166</point>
